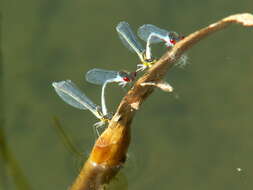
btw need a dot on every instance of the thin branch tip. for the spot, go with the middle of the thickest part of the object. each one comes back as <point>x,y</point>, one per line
<point>246,19</point>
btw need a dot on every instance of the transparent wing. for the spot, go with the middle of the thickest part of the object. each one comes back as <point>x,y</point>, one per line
<point>70,94</point>
<point>128,38</point>
<point>145,30</point>
<point>100,76</point>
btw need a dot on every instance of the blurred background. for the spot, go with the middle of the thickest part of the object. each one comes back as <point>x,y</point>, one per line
<point>198,137</point>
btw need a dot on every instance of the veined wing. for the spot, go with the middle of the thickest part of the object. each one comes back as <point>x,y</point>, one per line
<point>128,38</point>
<point>147,29</point>
<point>71,94</point>
<point>100,76</point>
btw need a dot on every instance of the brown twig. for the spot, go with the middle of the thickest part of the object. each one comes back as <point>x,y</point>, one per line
<point>110,149</point>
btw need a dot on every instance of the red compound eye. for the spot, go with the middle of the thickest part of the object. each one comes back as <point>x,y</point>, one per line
<point>173,42</point>
<point>126,79</point>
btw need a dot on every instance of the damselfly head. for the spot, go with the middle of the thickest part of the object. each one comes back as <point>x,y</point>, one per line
<point>126,79</point>
<point>173,39</point>
<point>126,76</point>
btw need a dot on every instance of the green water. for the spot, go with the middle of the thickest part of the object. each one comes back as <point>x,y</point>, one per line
<point>192,139</point>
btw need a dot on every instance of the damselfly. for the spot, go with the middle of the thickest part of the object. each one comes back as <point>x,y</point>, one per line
<point>153,34</point>
<point>73,96</point>
<point>103,77</point>
<point>129,39</point>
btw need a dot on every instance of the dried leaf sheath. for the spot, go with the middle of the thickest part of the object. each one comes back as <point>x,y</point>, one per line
<point>109,151</point>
